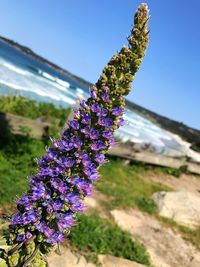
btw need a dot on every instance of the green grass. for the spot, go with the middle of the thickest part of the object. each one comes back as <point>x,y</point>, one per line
<point>193,236</point>
<point>17,162</point>
<point>125,187</point>
<point>17,105</point>
<point>24,107</point>
<point>173,172</point>
<point>94,235</point>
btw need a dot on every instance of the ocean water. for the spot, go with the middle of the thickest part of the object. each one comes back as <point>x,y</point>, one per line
<point>21,74</point>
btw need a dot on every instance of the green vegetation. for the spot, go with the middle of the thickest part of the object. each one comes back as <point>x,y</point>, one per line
<point>94,235</point>
<point>193,236</point>
<point>172,171</point>
<point>196,147</point>
<point>125,187</point>
<point>17,162</point>
<point>22,106</point>
<point>47,112</point>
<point>161,169</point>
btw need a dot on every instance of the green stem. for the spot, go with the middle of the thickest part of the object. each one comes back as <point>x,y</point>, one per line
<point>31,258</point>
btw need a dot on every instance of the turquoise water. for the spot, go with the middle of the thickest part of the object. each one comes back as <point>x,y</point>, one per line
<point>21,74</point>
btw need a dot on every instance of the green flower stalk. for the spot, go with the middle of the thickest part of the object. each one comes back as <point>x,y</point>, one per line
<point>69,168</point>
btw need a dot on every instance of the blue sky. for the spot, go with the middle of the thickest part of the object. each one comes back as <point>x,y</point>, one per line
<point>82,35</point>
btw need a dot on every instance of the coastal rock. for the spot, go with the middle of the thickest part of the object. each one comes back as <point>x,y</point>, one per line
<point>110,261</point>
<point>182,207</point>
<point>189,181</point>
<point>91,203</point>
<point>166,247</point>
<point>68,259</point>
<point>94,203</point>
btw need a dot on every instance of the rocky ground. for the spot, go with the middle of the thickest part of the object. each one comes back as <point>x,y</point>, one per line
<point>189,183</point>
<point>166,247</point>
<point>69,259</point>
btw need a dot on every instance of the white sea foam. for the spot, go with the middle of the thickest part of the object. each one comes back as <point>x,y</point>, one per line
<point>15,69</point>
<point>48,76</point>
<point>79,90</point>
<point>63,83</point>
<point>43,93</point>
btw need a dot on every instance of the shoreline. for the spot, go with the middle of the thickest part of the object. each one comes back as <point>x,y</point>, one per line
<point>187,133</point>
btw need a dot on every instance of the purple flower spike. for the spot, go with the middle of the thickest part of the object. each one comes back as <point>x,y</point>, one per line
<point>97,145</point>
<point>74,124</point>
<point>84,105</point>
<point>48,232</point>
<point>86,160</point>
<point>56,238</point>
<point>72,198</point>
<point>51,154</point>
<point>107,122</point>
<point>20,238</point>
<point>30,217</point>
<point>63,145</point>
<point>65,221</point>
<point>38,191</point>
<point>43,162</point>
<point>28,235</point>
<point>57,205</point>
<point>93,134</point>
<point>106,89</point>
<point>77,114</point>
<point>86,119</point>
<point>85,130</point>
<point>102,112</point>
<point>100,158</point>
<point>121,122</point>
<point>67,172</point>
<point>117,111</point>
<point>93,177</point>
<point>59,185</point>
<point>105,97</point>
<point>77,143</point>
<point>41,226</point>
<point>93,94</point>
<point>24,200</point>
<point>107,134</point>
<point>95,108</point>
<point>112,142</point>
<point>69,162</point>
<point>77,207</point>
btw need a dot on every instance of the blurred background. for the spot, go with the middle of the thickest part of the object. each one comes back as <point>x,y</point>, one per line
<point>51,53</point>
